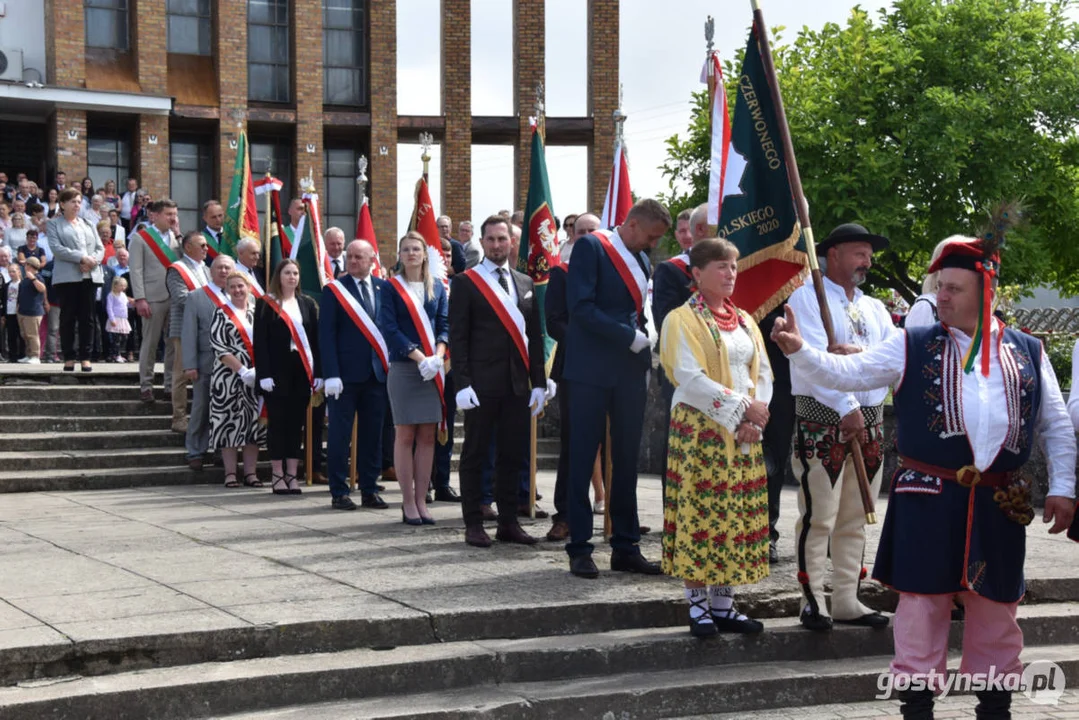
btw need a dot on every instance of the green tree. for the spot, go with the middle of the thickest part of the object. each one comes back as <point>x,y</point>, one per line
<point>918,123</point>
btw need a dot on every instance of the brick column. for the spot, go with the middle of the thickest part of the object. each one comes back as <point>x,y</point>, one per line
<point>65,46</point>
<point>529,50</point>
<point>382,90</point>
<point>149,42</point>
<point>231,52</point>
<point>602,95</point>
<point>457,109</point>
<point>70,154</point>
<point>307,89</point>
<point>152,160</point>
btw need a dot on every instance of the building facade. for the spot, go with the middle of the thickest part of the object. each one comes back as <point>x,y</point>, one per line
<point>158,90</point>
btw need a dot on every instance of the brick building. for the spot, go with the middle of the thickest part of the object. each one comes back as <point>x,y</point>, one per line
<point>157,89</point>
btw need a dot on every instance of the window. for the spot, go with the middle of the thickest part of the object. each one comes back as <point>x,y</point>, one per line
<point>268,51</point>
<point>191,176</point>
<point>344,53</point>
<point>274,155</point>
<point>108,158</point>
<point>189,27</point>
<point>340,174</point>
<point>106,24</point>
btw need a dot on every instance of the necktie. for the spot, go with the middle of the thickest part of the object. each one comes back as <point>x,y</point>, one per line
<point>503,281</point>
<point>365,298</point>
<point>337,269</point>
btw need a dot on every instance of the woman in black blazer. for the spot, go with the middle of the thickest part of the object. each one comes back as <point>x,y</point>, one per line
<point>285,380</point>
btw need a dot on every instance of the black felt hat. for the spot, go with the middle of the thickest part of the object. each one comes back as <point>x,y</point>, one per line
<point>851,232</point>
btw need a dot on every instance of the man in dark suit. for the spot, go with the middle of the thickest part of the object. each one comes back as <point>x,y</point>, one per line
<point>355,377</point>
<point>494,325</point>
<point>457,250</point>
<point>213,219</point>
<point>608,356</point>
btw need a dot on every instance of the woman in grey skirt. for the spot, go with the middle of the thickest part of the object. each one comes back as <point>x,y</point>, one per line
<point>416,326</point>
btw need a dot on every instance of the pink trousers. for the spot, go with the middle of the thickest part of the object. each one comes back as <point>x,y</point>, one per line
<point>991,636</point>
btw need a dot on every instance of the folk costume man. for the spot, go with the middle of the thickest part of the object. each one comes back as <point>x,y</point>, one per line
<point>497,347</point>
<point>184,276</point>
<point>971,395</point>
<point>829,504</point>
<point>608,357</point>
<point>355,361</point>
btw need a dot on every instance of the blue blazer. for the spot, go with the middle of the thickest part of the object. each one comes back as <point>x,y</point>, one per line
<point>346,354</point>
<point>602,320</point>
<point>397,326</point>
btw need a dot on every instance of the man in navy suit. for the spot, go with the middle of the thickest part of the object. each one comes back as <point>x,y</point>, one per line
<point>608,356</point>
<point>355,379</point>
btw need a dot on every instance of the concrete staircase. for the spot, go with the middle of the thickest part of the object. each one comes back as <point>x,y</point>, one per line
<point>64,432</point>
<point>574,660</point>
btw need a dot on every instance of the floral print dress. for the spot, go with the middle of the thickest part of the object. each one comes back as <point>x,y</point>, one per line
<point>715,510</point>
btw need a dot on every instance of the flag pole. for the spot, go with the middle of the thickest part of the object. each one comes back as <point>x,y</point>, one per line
<point>807,231</point>
<point>533,431</point>
<point>268,241</point>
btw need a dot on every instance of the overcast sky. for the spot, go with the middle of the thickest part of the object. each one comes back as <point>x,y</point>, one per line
<point>662,48</point>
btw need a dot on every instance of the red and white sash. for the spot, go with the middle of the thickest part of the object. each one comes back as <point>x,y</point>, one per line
<point>215,296</point>
<point>164,253</point>
<point>426,334</point>
<point>626,265</point>
<point>506,310</point>
<point>362,320</point>
<point>230,313</point>
<point>682,263</point>
<point>299,337</point>
<point>190,279</point>
<point>256,287</point>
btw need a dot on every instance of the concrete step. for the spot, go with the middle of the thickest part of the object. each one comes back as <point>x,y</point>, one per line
<point>87,460</point>
<point>75,424</point>
<point>14,409</point>
<point>74,393</point>
<point>82,478</point>
<point>130,439</point>
<point>43,375</point>
<point>650,673</point>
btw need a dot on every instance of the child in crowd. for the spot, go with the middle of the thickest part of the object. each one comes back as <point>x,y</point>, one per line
<point>30,310</point>
<point>11,321</point>
<point>116,308</point>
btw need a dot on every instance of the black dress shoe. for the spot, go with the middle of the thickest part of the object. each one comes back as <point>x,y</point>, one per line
<point>746,626</point>
<point>447,494</point>
<point>583,567</point>
<point>873,620</point>
<point>634,563</point>
<point>513,533</point>
<point>343,503</point>
<point>372,501</point>
<point>380,488</point>
<point>699,629</point>
<point>815,621</point>
<point>476,536</point>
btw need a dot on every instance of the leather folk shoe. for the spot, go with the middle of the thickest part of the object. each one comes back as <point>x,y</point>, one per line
<point>634,563</point>
<point>476,536</point>
<point>583,567</point>
<point>873,620</point>
<point>815,621</point>
<point>512,533</point>
<point>558,532</point>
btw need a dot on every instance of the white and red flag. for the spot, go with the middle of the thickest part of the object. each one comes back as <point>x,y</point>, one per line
<point>619,200</point>
<point>365,230</point>
<point>726,167</point>
<point>267,183</point>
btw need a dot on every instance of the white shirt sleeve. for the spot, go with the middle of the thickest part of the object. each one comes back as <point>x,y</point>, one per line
<point>1056,434</point>
<point>876,367</point>
<point>920,315</point>
<point>696,389</point>
<point>1073,398</point>
<point>807,312</point>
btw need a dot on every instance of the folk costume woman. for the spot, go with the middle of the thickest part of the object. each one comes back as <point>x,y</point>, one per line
<point>715,510</point>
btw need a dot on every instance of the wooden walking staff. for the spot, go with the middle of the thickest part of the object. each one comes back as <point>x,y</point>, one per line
<point>811,249</point>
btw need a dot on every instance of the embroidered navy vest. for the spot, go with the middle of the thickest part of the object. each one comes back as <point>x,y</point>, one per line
<point>935,539</point>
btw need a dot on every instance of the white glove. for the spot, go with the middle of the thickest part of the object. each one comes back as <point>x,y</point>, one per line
<point>266,384</point>
<point>319,384</point>
<point>552,389</point>
<point>466,399</point>
<point>536,400</point>
<point>247,376</point>
<point>429,367</point>
<point>334,387</point>
<point>640,342</point>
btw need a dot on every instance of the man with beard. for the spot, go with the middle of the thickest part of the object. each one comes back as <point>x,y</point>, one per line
<point>829,504</point>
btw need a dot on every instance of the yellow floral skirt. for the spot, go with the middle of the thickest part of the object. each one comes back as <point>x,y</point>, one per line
<point>715,505</point>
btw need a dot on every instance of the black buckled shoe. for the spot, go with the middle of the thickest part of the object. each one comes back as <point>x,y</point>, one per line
<point>736,623</point>
<point>815,621</point>
<point>634,563</point>
<point>871,620</point>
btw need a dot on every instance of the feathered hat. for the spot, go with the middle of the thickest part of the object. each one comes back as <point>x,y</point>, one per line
<point>981,255</point>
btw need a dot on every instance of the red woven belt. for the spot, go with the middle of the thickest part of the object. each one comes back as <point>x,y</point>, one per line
<point>967,476</point>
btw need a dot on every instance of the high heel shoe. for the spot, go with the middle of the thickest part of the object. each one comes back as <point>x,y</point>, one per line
<point>427,520</point>
<point>275,480</point>
<point>410,521</point>
<point>293,485</point>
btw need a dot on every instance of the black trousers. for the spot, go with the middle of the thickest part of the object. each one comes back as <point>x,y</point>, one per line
<point>505,420</point>
<point>778,439</point>
<point>16,348</point>
<point>561,482</point>
<point>76,306</point>
<point>286,407</point>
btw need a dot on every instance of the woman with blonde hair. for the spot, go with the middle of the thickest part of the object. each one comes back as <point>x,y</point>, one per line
<point>715,509</point>
<point>923,311</point>
<point>415,323</point>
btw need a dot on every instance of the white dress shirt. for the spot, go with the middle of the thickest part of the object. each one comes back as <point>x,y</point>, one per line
<point>126,201</point>
<point>863,321</point>
<point>494,269</point>
<point>984,412</point>
<point>921,313</point>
